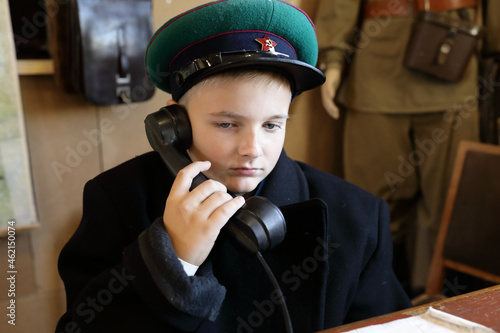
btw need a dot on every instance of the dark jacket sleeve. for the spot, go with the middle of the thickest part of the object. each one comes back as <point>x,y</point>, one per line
<point>120,280</point>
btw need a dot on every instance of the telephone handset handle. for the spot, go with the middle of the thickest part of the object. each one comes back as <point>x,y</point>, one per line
<point>258,226</point>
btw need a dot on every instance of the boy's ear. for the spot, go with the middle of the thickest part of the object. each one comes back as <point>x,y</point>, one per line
<point>171,102</point>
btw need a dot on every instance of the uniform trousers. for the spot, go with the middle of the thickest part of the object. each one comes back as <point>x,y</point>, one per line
<point>407,160</point>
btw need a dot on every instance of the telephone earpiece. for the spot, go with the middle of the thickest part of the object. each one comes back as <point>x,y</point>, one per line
<point>259,225</point>
<point>169,133</point>
<point>172,125</point>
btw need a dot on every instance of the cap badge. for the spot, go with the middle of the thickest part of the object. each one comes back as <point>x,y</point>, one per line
<point>267,43</point>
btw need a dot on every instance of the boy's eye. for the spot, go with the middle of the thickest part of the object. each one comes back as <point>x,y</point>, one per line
<point>224,125</point>
<point>271,126</point>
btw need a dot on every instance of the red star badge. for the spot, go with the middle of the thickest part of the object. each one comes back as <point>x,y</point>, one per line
<point>267,43</point>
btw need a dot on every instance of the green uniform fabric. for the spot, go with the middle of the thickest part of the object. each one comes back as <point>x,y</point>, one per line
<point>392,111</point>
<point>377,81</point>
<point>401,170</point>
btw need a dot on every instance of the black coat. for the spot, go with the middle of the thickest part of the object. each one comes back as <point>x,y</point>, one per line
<point>121,273</point>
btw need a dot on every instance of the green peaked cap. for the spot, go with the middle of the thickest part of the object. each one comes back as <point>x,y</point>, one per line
<point>221,35</point>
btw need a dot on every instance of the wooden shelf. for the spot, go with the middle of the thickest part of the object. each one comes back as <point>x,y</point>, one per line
<point>35,67</point>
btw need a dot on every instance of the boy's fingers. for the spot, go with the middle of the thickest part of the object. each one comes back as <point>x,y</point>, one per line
<point>184,178</point>
<point>222,214</point>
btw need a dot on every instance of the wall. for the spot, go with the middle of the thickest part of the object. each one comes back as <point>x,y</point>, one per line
<point>62,131</point>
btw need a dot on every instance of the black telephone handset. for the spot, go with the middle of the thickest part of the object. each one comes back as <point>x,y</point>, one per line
<point>259,225</point>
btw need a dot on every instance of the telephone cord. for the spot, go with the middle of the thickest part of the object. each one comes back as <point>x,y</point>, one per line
<point>284,309</point>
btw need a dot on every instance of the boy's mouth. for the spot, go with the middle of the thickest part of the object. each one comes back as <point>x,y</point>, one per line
<point>246,171</point>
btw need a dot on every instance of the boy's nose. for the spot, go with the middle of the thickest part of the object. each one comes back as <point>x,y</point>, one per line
<point>250,145</point>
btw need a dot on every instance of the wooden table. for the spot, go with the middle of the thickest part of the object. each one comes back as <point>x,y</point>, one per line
<point>482,307</point>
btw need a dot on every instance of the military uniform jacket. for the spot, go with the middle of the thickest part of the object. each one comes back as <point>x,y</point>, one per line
<point>121,273</point>
<point>376,79</point>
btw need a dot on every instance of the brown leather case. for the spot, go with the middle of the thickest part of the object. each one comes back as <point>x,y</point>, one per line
<point>103,44</point>
<point>441,46</point>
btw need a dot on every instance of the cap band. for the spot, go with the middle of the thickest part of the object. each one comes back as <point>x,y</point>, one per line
<point>218,59</point>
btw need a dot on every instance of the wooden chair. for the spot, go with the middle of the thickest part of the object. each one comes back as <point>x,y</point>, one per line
<point>469,235</point>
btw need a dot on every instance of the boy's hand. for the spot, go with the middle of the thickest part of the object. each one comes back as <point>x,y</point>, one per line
<point>194,219</point>
<point>329,90</point>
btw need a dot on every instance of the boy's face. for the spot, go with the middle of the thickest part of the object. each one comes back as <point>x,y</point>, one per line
<point>239,126</point>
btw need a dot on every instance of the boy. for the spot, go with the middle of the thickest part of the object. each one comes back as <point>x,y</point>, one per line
<point>149,255</point>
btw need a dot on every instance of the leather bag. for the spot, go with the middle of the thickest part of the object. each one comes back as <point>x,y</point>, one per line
<point>441,46</point>
<point>101,49</point>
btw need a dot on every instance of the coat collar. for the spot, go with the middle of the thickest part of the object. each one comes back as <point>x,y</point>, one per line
<point>286,184</point>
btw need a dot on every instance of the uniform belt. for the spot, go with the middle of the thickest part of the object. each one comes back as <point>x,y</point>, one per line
<point>393,8</point>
